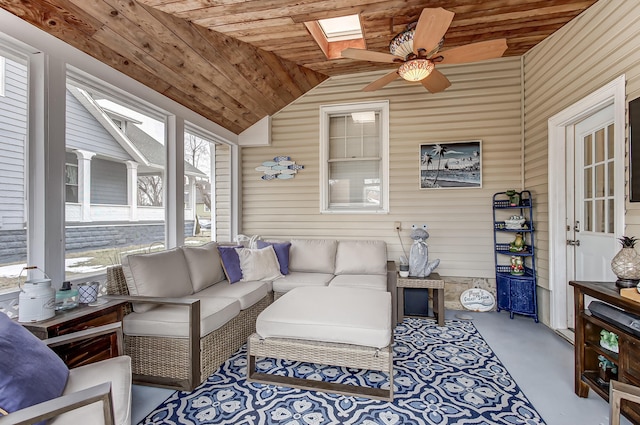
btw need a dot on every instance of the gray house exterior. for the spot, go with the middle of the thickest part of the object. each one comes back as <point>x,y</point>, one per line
<point>107,154</point>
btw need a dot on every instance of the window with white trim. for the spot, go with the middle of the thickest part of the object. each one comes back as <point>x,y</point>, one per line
<point>355,158</point>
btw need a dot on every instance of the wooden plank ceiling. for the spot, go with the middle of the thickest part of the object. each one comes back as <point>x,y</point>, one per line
<point>236,61</point>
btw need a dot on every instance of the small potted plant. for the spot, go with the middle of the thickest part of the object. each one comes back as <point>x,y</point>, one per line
<point>404,266</point>
<point>514,197</point>
<point>626,263</point>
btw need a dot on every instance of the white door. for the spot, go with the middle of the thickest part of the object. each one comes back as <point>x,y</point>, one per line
<point>591,215</point>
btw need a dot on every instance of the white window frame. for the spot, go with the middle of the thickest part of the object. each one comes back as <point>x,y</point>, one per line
<point>382,107</point>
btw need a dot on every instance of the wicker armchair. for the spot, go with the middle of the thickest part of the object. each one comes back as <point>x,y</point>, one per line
<point>181,363</point>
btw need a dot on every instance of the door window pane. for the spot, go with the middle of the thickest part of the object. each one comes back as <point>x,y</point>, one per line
<point>599,145</point>
<point>588,186</point>
<point>588,151</point>
<point>610,140</point>
<point>599,219</point>
<point>588,216</point>
<point>600,180</point>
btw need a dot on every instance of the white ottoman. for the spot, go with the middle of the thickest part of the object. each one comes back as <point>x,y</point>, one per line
<point>337,326</point>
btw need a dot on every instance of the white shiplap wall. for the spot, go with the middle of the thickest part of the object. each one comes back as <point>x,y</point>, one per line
<point>592,50</point>
<point>484,102</point>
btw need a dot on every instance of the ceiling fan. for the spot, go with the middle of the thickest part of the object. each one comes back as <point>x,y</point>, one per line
<point>417,49</point>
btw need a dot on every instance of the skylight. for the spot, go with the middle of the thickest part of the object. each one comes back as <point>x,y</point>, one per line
<point>341,28</point>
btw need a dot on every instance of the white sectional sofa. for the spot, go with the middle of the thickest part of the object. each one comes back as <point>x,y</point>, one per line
<point>186,318</point>
<point>325,262</point>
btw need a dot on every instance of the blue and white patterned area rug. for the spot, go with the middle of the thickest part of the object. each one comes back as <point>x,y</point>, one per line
<point>442,376</point>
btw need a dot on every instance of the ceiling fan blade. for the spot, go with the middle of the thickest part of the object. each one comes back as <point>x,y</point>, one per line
<point>436,82</point>
<point>368,55</point>
<point>382,81</point>
<point>474,52</point>
<point>432,25</point>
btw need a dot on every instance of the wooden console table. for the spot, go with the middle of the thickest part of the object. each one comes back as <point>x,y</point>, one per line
<point>79,318</point>
<point>587,344</point>
<point>434,283</point>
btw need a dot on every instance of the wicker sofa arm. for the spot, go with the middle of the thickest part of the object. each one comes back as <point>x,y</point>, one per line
<point>52,408</point>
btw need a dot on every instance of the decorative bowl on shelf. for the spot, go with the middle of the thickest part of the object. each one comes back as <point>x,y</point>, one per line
<point>514,223</point>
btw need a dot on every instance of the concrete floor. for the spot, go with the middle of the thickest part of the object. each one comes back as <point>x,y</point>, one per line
<point>540,361</point>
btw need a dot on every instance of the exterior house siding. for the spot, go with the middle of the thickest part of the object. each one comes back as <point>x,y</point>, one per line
<point>13,133</point>
<point>482,103</point>
<point>85,132</point>
<point>589,52</point>
<point>108,182</point>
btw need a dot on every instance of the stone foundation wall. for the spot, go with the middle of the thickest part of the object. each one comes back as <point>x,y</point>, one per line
<point>13,243</point>
<point>455,286</point>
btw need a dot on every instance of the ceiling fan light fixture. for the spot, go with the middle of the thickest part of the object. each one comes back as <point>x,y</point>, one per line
<point>402,44</point>
<point>416,69</point>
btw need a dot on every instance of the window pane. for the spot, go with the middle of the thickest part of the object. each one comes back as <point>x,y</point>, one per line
<point>588,150</point>
<point>120,165</point>
<point>588,183</point>
<point>588,216</point>
<point>599,217</point>
<point>13,178</point>
<point>354,184</point>
<point>354,157</point>
<point>199,155</point>
<point>611,178</point>
<point>611,228</point>
<point>599,180</point>
<point>599,140</point>
<point>610,150</point>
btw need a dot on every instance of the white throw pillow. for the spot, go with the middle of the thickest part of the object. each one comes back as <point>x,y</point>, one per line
<point>259,264</point>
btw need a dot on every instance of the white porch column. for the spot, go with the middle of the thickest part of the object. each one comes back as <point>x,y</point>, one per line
<point>84,183</point>
<point>193,193</point>
<point>132,189</point>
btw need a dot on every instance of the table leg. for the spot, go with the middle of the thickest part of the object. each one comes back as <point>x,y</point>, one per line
<point>439,299</point>
<point>400,304</point>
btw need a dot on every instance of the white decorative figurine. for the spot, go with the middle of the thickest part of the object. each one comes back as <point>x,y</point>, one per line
<point>419,265</point>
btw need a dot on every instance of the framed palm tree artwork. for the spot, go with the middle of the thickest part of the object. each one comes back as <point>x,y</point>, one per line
<point>446,165</point>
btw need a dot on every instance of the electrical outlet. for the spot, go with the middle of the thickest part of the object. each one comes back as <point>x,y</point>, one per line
<point>397,225</point>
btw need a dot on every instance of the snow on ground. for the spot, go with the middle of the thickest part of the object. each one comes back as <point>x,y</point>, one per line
<point>71,265</point>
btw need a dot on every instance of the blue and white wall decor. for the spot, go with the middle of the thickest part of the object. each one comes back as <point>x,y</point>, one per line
<point>282,167</point>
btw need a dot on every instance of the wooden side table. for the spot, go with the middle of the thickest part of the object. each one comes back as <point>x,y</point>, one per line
<point>433,283</point>
<point>82,317</point>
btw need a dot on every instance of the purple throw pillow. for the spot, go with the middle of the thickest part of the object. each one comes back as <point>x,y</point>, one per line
<point>282,253</point>
<point>230,262</point>
<point>31,371</point>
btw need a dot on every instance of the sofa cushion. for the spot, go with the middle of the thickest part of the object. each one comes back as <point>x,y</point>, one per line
<point>361,257</point>
<point>340,315</point>
<point>258,264</point>
<point>282,252</point>
<point>312,255</point>
<point>247,293</point>
<point>363,281</point>
<point>230,262</point>
<point>204,264</point>
<point>160,274</point>
<point>295,279</point>
<point>172,321</point>
<point>30,372</point>
<point>118,371</point>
